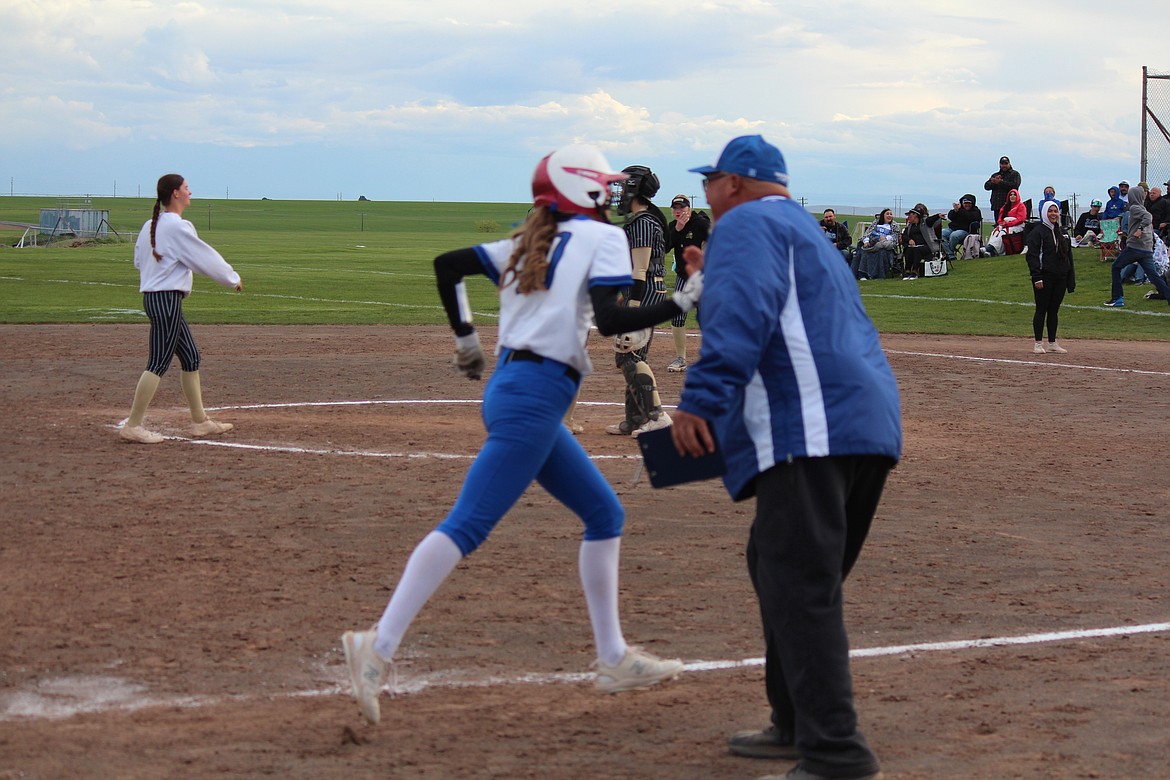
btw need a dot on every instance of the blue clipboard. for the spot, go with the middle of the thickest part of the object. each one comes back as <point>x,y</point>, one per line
<point>666,467</point>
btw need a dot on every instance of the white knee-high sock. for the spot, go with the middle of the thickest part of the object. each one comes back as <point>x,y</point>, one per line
<point>598,562</point>
<point>430,563</point>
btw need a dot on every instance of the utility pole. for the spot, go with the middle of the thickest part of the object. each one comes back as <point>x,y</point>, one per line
<point>1144,150</point>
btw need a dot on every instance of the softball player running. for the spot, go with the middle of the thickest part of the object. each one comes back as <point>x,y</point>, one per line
<point>166,254</point>
<point>564,265</point>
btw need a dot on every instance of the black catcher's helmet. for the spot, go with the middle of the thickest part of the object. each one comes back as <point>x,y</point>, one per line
<point>642,183</point>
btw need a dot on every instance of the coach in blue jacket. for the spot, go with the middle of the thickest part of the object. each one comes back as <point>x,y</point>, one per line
<point>792,381</point>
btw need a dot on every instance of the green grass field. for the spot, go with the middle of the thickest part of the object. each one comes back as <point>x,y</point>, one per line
<point>345,262</point>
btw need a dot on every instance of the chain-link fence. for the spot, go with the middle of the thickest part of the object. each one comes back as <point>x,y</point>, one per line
<point>1155,127</point>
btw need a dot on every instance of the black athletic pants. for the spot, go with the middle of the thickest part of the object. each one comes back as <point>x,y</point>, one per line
<point>812,517</point>
<point>1048,300</point>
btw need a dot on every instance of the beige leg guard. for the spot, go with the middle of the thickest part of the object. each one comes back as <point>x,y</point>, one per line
<point>572,408</point>
<point>143,395</point>
<point>642,368</point>
<point>194,393</point>
<point>680,341</point>
<point>573,426</point>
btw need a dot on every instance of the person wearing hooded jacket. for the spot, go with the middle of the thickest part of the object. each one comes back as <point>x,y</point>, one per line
<point>1050,263</point>
<point>1138,249</point>
<point>1011,219</point>
<point>1115,206</point>
<point>960,220</point>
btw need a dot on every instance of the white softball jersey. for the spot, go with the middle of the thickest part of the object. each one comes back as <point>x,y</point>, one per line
<point>183,253</point>
<point>554,323</point>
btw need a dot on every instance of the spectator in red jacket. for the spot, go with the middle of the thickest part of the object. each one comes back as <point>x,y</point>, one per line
<point>1011,220</point>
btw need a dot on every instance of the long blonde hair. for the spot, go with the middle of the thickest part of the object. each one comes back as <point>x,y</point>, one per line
<point>528,265</point>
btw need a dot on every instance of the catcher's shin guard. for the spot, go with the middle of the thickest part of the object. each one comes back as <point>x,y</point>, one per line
<point>642,401</point>
<point>646,378</point>
<point>636,413</point>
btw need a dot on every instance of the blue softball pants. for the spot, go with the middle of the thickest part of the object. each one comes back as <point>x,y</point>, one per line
<point>524,405</point>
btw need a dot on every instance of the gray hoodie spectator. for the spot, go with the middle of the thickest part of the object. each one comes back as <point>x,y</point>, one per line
<point>1141,236</point>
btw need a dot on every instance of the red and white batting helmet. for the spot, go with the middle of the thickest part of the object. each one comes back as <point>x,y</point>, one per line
<point>574,179</point>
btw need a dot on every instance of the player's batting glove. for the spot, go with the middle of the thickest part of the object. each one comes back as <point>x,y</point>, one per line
<point>469,359</point>
<point>688,297</point>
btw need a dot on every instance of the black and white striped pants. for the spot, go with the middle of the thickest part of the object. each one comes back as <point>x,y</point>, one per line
<point>679,321</point>
<point>169,333</point>
<point>655,293</point>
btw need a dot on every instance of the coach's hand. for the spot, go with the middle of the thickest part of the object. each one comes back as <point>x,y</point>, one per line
<point>688,297</point>
<point>693,259</point>
<point>691,434</point>
<point>469,359</point>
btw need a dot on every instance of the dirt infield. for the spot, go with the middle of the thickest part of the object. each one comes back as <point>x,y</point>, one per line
<point>174,610</point>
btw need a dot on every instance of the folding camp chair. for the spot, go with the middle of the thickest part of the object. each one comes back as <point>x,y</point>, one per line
<point>1109,242</point>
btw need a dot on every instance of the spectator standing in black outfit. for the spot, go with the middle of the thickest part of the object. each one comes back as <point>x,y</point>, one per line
<point>688,228</point>
<point>1050,263</point>
<point>1001,183</point>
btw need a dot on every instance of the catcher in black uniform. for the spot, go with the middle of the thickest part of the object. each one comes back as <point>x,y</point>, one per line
<point>645,229</point>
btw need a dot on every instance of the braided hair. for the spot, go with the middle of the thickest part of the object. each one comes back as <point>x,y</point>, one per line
<point>528,265</point>
<point>166,187</point>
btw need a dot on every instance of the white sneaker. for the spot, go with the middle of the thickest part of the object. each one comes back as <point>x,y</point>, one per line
<point>139,434</point>
<point>622,428</point>
<point>574,427</point>
<point>210,427</point>
<point>663,421</point>
<point>1054,347</point>
<point>1039,348</point>
<point>367,672</point>
<point>677,365</point>
<point>638,669</point>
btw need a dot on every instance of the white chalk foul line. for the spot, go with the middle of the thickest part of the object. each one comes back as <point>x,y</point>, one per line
<point>390,402</point>
<point>298,450</point>
<point>68,696</point>
<point>1026,304</point>
<point>356,453</point>
<point>1020,362</point>
<point>1006,641</point>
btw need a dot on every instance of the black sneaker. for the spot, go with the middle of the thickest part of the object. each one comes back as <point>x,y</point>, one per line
<point>768,743</point>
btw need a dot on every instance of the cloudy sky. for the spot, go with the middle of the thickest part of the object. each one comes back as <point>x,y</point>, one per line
<point>454,100</point>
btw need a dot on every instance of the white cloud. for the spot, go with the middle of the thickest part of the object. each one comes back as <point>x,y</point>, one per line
<point>863,97</point>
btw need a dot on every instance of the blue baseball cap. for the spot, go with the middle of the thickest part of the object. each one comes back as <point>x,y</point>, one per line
<point>750,156</point>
